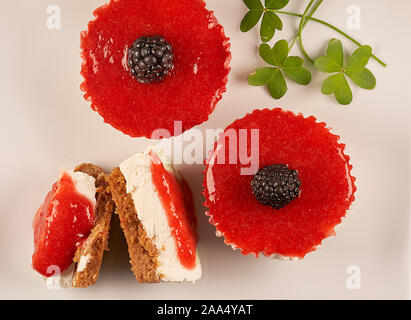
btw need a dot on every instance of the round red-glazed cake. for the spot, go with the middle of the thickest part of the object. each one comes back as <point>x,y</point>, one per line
<point>326,192</point>
<point>188,94</point>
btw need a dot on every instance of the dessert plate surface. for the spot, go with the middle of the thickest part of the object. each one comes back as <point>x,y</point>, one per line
<point>47,123</point>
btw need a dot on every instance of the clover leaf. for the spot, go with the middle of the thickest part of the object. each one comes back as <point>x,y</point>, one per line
<point>273,77</point>
<point>270,22</point>
<point>355,69</point>
<point>253,16</point>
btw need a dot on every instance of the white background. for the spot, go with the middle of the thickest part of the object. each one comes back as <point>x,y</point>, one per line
<point>46,123</point>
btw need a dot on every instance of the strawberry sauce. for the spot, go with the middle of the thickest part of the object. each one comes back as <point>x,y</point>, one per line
<point>176,199</point>
<point>61,224</point>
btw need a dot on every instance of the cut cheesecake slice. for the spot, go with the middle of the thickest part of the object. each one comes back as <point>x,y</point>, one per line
<point>157,216</point>
<point>71,228</point>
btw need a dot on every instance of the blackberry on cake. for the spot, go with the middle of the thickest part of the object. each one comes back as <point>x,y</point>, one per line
<point>150,59</point>
<point>276,185</point>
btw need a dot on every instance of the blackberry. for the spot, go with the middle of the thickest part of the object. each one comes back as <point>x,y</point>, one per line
<point>150,59</point>
<point>276,185</point>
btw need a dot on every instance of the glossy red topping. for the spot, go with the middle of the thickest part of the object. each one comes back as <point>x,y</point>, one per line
<point>189,94</point>
<point>176,199</point>
<point>327,187</point>
<point>61,224</point>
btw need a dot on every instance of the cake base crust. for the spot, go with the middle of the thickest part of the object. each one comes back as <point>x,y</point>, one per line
<point>142,251</point>
<point>97,242</point>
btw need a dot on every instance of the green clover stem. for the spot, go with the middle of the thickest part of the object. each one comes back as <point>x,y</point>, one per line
<point>330,26</point>
<point>305,23</point>
<point>300,28</point>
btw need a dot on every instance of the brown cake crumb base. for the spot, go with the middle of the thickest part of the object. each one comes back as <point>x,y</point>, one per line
<point>142,251</point>
<point>97,242</point>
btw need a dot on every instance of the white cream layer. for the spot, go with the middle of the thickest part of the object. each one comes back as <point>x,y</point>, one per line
<point>82,264</point>
<point>153,217</point>
<point>84,183</point>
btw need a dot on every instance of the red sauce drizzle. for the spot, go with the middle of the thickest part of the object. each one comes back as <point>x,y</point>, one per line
<point>61,224</point>
<point>176,199</point>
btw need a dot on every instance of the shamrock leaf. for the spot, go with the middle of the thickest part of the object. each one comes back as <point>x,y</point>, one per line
<point>273,76</point>
<point>276,4</point>
<point>355,69</point>
<point>253,16</point>
<point>261,76</point>
<point>362,78</point>
<point>276,55</point>
<point>270,22</point>
<point>334,60</point>
<point>293,68</point>
<point>338,85</point>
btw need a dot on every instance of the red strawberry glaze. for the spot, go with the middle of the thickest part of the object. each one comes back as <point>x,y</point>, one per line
<point>327,187</point>
<point>189,94</point>
<point>176,199</point>
<point>61,224</point>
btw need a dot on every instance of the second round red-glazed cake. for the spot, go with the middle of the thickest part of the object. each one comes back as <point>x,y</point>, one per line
<point>190,91</point>
<point>326,189</point>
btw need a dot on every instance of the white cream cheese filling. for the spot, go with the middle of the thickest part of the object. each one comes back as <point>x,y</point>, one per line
<point>84,183</point>
<point>82,264</point>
